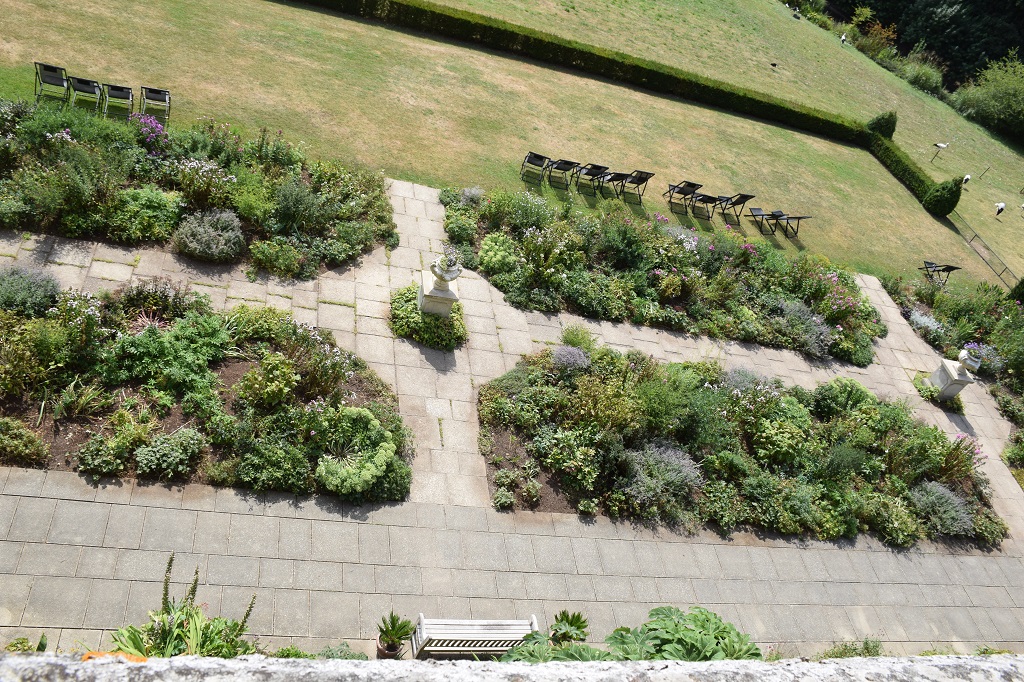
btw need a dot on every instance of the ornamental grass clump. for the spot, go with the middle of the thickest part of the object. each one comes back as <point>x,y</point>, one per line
<point>689,444</point>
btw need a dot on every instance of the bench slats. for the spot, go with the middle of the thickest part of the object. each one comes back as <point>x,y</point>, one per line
<point>450,637</point>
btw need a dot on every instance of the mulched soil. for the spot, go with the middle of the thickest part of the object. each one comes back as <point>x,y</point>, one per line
<point>510,452</point>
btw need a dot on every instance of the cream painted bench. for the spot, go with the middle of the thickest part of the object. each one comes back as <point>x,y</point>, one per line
<point>444,638</point>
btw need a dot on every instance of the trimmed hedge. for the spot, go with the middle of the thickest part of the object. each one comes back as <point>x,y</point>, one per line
<point>497,34</point>
<point>901,166</point>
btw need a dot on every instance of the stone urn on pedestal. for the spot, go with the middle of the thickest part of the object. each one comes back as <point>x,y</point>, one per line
<point>953,375</point>
<point>438,289</point>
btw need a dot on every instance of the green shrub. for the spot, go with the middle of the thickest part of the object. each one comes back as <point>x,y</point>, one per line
<point>996,99</point>
<point>204,184</point>
<point>159,297</point>
<point>170,456</point>
<point>497,253</point>
<point>579,336</point>
<point>19,446</point>
<point>252,195</point>
<point>111,456</point>
<point>922,75</point>
<point>838,397</point>
<point>292,652</point>
<point>281,258</point>
<point>460,226</point>
<point>884,124</point>
<point>274,464</point>
<point>269,384</point>
<point>408,321</point>
<point>989,529</point>
<point>503,498</point>
<point>145,214</point>
<point>943,197</point>
<point>214,236</point>
<point>29,293</point>
<point>298,209</point>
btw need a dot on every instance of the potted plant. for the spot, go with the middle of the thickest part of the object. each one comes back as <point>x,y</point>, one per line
<point>393,631</point>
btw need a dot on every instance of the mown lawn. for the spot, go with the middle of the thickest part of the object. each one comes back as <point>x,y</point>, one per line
<point>443,113</point>
<point>737,40</point>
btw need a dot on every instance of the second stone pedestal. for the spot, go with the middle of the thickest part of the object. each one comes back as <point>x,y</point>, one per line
<point>950,378</point>
<point>437,301</point>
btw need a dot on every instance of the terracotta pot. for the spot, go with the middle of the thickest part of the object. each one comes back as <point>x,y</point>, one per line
<point>385,653</point>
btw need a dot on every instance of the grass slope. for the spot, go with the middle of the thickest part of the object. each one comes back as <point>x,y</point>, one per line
<point>443,113</point>
<point>736,40</point>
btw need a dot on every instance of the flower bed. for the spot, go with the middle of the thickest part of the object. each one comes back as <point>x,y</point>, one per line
<point>689,444</point>
<point>616,266</point>
<point>218,195</point>
<point>149,382</point>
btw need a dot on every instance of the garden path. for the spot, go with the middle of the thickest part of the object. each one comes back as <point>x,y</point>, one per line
<point>78,560</point>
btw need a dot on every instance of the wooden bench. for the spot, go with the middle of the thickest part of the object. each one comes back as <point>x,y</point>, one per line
<point>444,638</point>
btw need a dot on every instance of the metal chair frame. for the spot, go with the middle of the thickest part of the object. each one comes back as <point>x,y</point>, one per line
<point>684,189</point>
<point>86,88</point>
<point>125,97</point>
<point>638,181</point>
<point>564,166</point>
<point>50,76</point>
<point>591,173</point>
<point>156,97</point>
<point>534,160</point>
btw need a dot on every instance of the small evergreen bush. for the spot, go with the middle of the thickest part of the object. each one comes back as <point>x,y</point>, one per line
<point>144,214</point>
<point>214,236</point>
<point>943,197</point>
<point>884,124</point>
<point>497,253</point>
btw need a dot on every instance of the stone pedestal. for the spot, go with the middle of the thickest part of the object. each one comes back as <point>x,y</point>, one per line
<point>950,378</point>
<point>435,300</point>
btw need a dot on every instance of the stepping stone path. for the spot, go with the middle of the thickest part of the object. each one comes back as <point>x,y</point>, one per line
<point>78,560</point>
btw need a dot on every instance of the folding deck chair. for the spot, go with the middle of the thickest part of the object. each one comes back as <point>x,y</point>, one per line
<point>637,181</point>
<point>787,221</point>
<point>735,202</point>
<point>590,173</point>
<point>86,88</point>
<point>937,274</point>
<point>566,167</point>
<point>51,81</point>
<point>121,95</point>
<point>536,162</point>
<point>761,218</point>
<point>683,190</point>
<point>156,98</point>
<point>708,201</point>
<point>613,178</point>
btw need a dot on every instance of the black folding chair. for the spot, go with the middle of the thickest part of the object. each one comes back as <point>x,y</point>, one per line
<point>788,221</point>
<point>155,98</point>
<point>735,202</point>
<point>615,179</point>
<point>637,181</point>
<point>590,173</point>
<point>120,96</point>
<point>86,88</point>
<point>708,201</point>
<point>683,190</point>
<point>937,274</point>
<point>536,161</point>
<point>566,167</point>
<point>761,218</point>
<point>51,81</point>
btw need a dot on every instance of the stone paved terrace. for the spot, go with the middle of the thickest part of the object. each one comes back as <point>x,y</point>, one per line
<point>77,560</point>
